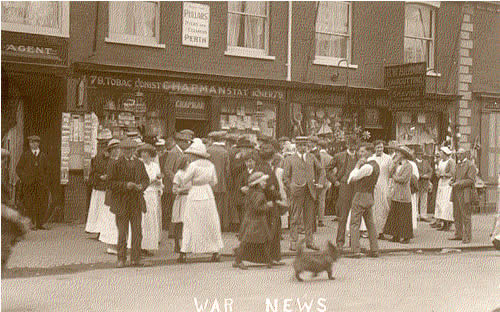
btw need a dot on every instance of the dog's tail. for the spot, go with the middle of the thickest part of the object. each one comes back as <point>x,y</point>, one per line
<point>300,247</point>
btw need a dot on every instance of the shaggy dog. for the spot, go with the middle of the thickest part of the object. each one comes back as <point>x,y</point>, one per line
<point>315,263</point>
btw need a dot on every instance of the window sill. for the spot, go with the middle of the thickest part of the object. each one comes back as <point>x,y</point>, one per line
<point>334,64</point>
<point>250,55</point>
<point>433,74</point>
<point>135,43</point>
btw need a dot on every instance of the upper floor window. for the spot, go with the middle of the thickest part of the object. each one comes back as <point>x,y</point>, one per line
<point>36,17</point>
<point>248,28</point>
<point>333,32</point>
<point>419,34</point>
<point>134,22</point>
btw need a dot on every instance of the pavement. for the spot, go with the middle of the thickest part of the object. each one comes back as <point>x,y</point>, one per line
<point>467,281</point>
<point>68,246</point>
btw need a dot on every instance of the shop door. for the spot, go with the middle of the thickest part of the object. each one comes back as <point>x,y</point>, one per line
<point>490,162</point>
<point>200,127</point>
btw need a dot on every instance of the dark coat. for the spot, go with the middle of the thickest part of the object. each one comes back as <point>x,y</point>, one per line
<point>425,173</point>
<point>255,228</point>
<point>169,164</point>
<point>464,179</point>
<point>219,156</point>
<point>340,161</point>
<point>124,201</point>
<point>98,168</point>
<point>31,169</point>
<point>272,193</point>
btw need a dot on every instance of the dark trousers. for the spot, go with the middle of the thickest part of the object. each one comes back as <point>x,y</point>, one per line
<point>167,201</point>
<point>36,199</point>
<point>343,207</point>
<point>222,209</point>
<point>302,208</point>
<point>462,213</point>
<point>362,204</point>
<point>122,223</point>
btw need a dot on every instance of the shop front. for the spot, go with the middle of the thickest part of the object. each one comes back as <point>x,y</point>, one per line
<point>34,76</point>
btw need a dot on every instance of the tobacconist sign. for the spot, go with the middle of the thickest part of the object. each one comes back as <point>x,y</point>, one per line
<point>406,83</point>
<point>34,48</point>
<point>185,88</point>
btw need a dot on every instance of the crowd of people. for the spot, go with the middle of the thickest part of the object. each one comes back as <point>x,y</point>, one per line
<point>198,188</point>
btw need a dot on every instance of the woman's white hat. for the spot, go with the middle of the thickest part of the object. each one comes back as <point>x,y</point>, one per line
<point>197,148</point>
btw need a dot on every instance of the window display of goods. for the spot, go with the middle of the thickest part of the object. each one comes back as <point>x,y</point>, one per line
<point>128,105</point>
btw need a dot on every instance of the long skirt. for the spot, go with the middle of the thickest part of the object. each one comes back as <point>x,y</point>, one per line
<point>444,206</point>
<point>151,229</point>
<point>399,222</point>
<point>414,210</point>
<point>96,206</point>
<point>107,227</point>
<point>254,252</point>
<point>381,206</point>
<point>201,232</point>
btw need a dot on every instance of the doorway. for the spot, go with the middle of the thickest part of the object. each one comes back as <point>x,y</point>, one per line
<point>200,127</point>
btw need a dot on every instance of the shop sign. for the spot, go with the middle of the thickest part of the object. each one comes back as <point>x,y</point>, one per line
<point>185,88</point>
<point>406,83</point>
<point>23,46</point>
<point>190,108</point>
<point>195,24</point>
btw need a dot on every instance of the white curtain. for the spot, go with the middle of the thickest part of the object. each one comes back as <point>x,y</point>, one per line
<point>234,22</point>
<point>333,17</point>
<point>35,13</point>
<point>254,26</point>
<point>418,23</point>
<point>133,18</point>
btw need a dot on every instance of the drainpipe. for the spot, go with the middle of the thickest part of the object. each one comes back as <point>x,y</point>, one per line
<point>289,56</point>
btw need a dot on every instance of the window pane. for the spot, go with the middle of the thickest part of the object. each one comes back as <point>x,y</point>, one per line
<point>333,17</point>
<point>418,21</point>
<point>133,18</point>
<point>34,13</point>
<point>417,50</point>
<point>234,29</point>
<point>331,46</point>
<point>235,6</point>
<point>255,7</point>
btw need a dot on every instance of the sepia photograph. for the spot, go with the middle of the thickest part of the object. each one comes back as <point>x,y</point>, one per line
<point>250,156</point>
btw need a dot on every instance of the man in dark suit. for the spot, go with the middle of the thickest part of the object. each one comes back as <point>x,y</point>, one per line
<point>220,158</point>
<point>338,172</point>
<point>301,177</point>
<point>32,169</point>
<point>169,164</point>
<point>127,180</point>
<point>462,194</point>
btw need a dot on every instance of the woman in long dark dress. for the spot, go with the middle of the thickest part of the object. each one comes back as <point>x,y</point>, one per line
<point>255,234</point>
<point>399,220</point>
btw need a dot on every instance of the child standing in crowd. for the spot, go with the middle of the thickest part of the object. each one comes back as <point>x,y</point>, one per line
<point>255,234</point>
<point>180,191</point>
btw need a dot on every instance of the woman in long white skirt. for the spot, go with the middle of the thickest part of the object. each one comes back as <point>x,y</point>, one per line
<point>97,179</point>
<point>151,231</point>
<point>414,201</point>
<point>381,198</point>
<point>444,206</point>
<point>202,231</point>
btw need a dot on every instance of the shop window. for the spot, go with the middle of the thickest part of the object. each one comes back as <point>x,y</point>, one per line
<point>37,17</point>
<point>333,33</point>
<point>416,128</point>
<point>248,117</point>
<point>248,28</point>
<point>419,34</point>
<point>134,22</point>
<point>493,148</point>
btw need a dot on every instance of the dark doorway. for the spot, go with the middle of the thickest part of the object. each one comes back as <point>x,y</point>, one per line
<point>200,127</point>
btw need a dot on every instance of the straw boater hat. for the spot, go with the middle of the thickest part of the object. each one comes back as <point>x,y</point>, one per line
<point>405,150</point>
<point>256,178</point>
<point>113,143</point>
<point>197,148</point>
<point>34,138</point>
<point>217,135</point>
<point>104,135</point>
<point>446,150</point>
<point>128,143</point>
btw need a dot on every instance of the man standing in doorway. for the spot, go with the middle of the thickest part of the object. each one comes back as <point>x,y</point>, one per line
<point>32,169</point>
<point>364,177</point>
<point>339,169</point>
<point>301,177</point>
<point>462,195</point>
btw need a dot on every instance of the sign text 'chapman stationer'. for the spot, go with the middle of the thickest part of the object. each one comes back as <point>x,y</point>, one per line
<point>185,87</point>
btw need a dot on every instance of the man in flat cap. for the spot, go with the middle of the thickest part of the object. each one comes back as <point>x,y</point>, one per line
<point>127,181</point>
<point>462,196</point>
<point>32,169</point>
<point>220,158</point>
<point>302,176</point>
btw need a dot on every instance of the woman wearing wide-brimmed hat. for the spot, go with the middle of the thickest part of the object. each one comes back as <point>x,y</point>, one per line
<point>255,234</point>
<point>444,206</point>
<point>202,230</point>
<point>399,221</point>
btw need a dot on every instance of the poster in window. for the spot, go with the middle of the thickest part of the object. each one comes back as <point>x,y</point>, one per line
<point>195,24</point>
<point>372,118</point>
